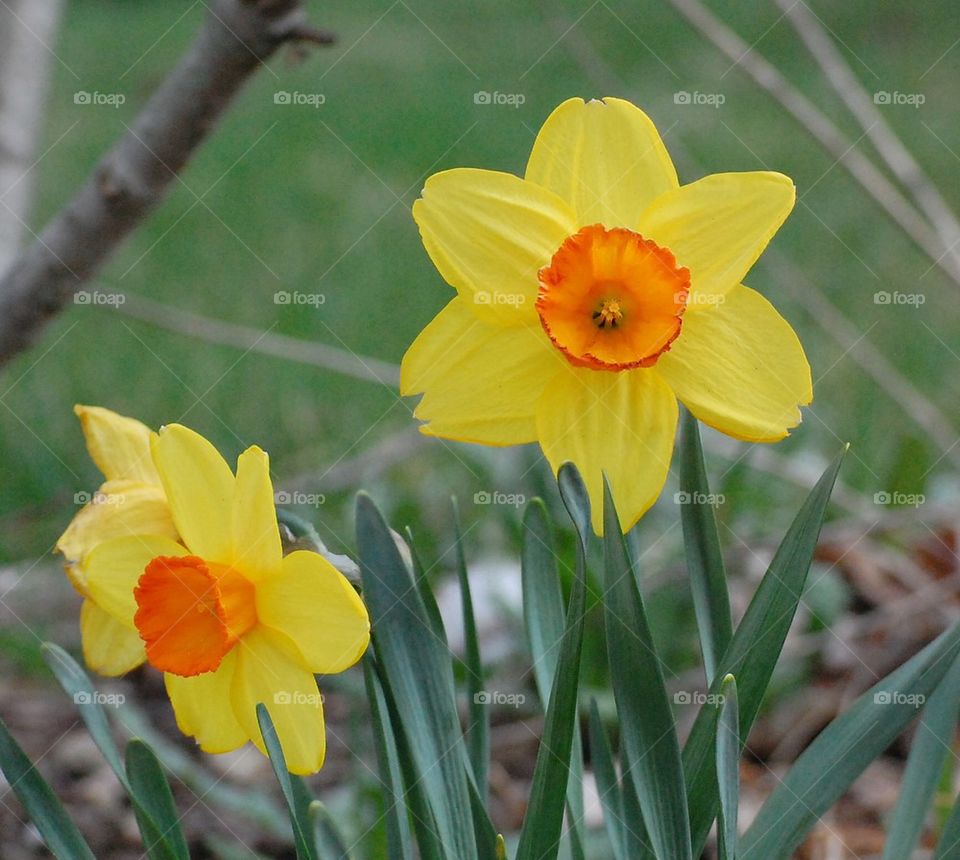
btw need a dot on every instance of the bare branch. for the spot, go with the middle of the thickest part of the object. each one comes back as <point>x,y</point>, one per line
<point>233,43</point>
<point>27,28</point>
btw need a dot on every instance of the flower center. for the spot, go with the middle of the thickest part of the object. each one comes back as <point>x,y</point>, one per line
<point>190,613</point>
<point>611,299</point>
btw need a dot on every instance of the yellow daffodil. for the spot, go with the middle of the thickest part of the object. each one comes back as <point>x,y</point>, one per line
<point>229,620</point>
<point>131,501</point>
<point>596,292</point>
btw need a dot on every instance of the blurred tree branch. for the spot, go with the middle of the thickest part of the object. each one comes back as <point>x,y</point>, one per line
<point>235,39</point>
<point>27,27</point>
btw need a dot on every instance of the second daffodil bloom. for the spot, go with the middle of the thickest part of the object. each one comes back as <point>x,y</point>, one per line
<point>596,292</point>
<point>229,620</point>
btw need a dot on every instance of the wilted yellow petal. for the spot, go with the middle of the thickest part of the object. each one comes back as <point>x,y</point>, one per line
<point>120,446</point>
<point>488,234</point>
<point>605,158</point>
<point>718,226</point>
<point>621,424</point>
<point>739,367</point>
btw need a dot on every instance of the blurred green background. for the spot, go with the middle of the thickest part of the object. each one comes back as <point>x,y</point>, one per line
<point>316,199</point>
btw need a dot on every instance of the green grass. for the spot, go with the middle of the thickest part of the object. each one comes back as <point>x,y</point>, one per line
<point>310,202</point>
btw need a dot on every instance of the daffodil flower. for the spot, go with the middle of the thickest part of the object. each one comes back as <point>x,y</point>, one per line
<point>131,501</point>
<point>596,292</point>
<point>227,618</point>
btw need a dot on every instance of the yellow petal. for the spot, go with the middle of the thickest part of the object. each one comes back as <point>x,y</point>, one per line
<point>109,647</point>
<point>199,487</point>
<point>488,234</point>
<point>622,424</point>
<point>312,603</point>
<point>718,226</point>
<point>117,509</point>
<point>203,708</point>
<point>265,673</point>
<point>120,446</point>
<point>605,158</point>
<point>739,367</point>
<point>256,535</point>
<point>113,567</point>
<point>481,381</point>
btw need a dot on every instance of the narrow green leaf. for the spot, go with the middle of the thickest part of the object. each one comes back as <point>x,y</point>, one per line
<point>949,844</point>
<point>416,666</point>
<point>426,593</point>
<point>608,787</point>
<point>753,653</point>
<point>399,842</point>
<point>77,684</point>
<point>708,578</point>
<point>478,727</point>
<point>293,798</point>
<point>543,613</point>
<point>634,831</point>
<point>328,844</point>
<point>728,767</point>
<point>931,746</point>
<point>843,750</point>
<point>149,785</point>
<point>542,825</point>
<point>50,818</point>
<point>576,500</point>
<point>649,741</point>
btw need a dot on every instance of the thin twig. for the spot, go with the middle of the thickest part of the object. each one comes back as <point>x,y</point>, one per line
<point>235,39</point>
<point>861,105</point>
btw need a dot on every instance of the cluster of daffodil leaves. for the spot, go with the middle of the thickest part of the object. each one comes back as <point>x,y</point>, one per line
<point>594,295</point>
